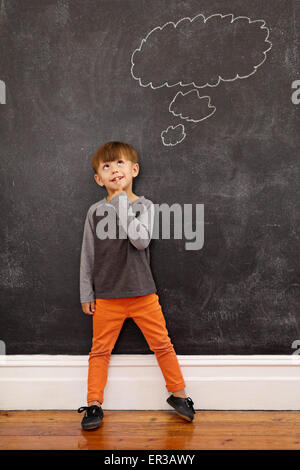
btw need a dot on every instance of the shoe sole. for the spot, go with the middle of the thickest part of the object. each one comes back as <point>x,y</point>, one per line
<point>90,428</point>
<point>184,417</point>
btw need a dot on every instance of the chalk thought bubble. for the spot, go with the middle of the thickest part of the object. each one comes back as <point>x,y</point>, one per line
<point>199,52</point>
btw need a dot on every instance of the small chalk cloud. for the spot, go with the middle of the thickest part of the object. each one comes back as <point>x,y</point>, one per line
<point>191,106</point>
<point>173,135</point>
<point>199,52</point>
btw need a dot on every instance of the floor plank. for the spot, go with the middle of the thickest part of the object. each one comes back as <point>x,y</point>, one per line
<point>153,430</point>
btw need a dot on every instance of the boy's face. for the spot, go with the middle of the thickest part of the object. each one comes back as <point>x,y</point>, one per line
<point>117,174</point>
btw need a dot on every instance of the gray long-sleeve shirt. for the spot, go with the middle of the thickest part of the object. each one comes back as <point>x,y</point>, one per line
<point>115,256</point>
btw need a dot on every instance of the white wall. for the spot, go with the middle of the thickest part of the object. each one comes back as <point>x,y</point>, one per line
<point>135,382</point>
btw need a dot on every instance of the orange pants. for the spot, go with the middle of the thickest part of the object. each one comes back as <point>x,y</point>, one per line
<point>108,320</point>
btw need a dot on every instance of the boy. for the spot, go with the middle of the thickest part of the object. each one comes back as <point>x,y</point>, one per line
<point>116,280</point>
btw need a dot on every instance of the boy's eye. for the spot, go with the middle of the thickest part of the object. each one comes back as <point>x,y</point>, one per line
<point>119,161</point>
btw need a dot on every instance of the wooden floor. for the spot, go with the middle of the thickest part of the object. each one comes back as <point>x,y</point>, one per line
<point>151,430</point>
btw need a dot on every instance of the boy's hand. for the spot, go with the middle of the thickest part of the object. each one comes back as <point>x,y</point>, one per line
<point>88,308</point>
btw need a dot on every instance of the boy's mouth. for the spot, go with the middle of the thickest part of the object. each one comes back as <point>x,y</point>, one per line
<point>117,178</point>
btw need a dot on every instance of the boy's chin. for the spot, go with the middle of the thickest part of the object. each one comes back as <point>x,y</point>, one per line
<point>117,188</point>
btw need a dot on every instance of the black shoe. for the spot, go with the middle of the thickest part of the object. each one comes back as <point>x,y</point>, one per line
<point>182,406</point>
<point>92,418</point>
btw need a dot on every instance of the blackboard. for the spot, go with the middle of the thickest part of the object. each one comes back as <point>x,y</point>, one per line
<point>72,83</point>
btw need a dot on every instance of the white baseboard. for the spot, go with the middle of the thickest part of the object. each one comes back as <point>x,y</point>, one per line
<point>135,382</point>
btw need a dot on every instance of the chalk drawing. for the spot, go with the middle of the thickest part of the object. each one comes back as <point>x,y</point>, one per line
<point>173,135</point>
<point>205,98</point>
<point>199,52</point>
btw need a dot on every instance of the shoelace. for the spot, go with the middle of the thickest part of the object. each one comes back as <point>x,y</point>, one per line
<point>93,410</point>
<point>189,403</point>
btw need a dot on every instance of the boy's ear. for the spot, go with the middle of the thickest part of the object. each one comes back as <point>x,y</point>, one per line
<point>136,169</point>
<point>98,180</point>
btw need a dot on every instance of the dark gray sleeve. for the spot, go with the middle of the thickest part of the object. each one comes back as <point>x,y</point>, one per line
<point>87,261</point>
<point>139,228</point>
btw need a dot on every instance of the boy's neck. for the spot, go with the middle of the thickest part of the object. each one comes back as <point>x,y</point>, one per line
<point>131,196</point>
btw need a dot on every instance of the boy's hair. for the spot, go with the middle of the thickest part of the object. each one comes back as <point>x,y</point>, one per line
<point>112,151</point>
